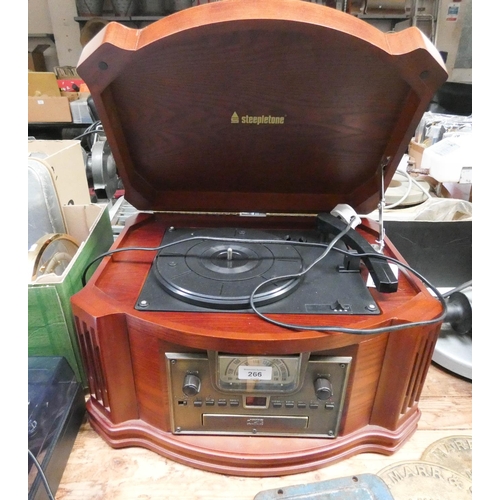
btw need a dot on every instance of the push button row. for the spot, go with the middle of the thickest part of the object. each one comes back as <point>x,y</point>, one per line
<point>234,403</point>
<point>300,404</point>
<point>211,402</point>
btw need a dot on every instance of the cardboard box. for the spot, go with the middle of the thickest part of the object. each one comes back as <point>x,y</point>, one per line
<point>45,104</point>
<point>49,110</point>
<point>51,330</point>
<point>73,96</point>
<point>65,160</point>
<point>43,83</point>
<point>36,59</point>
<point>416,150</point>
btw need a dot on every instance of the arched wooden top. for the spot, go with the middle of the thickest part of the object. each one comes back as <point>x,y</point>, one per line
<point>268,105</point>
<point>259,10</point>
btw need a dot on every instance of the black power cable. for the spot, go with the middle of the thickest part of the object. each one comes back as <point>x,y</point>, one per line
<point>358,331</point>
<point>42,475</point>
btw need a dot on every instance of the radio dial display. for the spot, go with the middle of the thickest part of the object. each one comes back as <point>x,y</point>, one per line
<point>258,373</point>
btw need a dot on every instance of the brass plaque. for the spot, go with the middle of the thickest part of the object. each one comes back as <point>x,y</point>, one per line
<point>454,452</point>
<point>415,480</point>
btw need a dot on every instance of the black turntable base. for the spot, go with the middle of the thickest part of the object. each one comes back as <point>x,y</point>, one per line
<point>219,268</point>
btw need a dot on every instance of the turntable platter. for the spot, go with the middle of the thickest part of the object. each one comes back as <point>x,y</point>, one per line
<point>218,269</point>
<point>223,274</point>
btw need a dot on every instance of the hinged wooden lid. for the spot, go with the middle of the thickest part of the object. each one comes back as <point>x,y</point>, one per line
<point>262,105</point>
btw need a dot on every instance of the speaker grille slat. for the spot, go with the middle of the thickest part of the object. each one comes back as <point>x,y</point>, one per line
<point>93,366</point>
<point>416,381</point>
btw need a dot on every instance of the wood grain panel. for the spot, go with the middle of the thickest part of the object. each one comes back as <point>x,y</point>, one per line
<point>347,98</point>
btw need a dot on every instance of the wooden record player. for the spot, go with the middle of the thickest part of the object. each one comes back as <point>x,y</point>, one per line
<point>237,127</point>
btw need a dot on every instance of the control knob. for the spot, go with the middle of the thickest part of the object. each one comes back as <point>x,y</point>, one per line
<point>191,385</point>
<point>323,388</point>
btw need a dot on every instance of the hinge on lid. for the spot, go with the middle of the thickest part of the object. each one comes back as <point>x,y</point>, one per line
<point>252,214</point>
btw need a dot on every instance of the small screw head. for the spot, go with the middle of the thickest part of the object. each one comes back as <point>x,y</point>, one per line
<point>143,303</point>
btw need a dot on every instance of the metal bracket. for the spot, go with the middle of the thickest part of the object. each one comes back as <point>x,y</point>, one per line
<point>380,243</point>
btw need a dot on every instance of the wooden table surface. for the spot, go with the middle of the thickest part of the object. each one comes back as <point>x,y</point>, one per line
<point>95,471</point>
